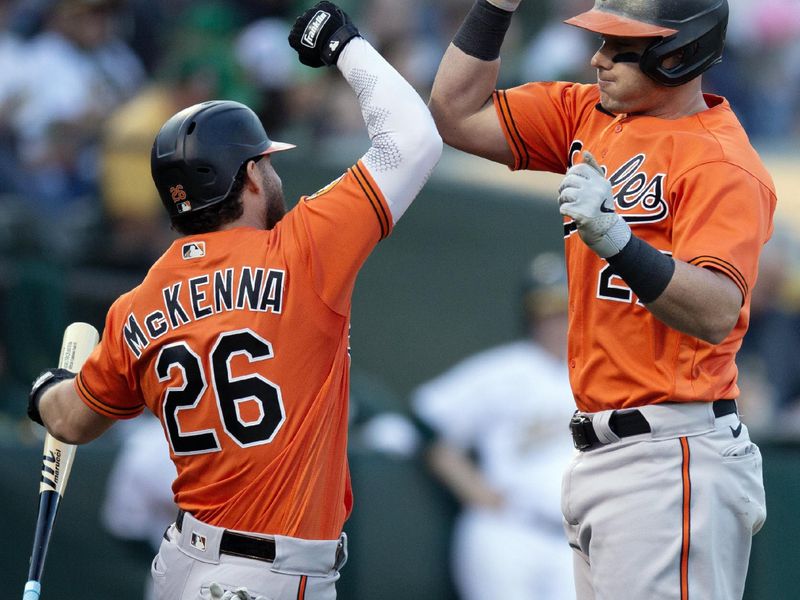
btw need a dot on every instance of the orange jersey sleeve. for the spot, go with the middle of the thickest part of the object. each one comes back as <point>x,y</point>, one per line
<point>238,342</point>
<point>539,122</point>
<point>691,187</point>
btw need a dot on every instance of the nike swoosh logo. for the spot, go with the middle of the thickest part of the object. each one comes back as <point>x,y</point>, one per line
<point>736,431</point>
<point>604,209</point>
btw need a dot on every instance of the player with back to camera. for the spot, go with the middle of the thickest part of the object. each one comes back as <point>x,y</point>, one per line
<point>666,208</point>
<point>237,339</point>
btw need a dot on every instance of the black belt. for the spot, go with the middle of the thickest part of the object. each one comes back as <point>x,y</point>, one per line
<point>627,423</point>
<point>240,544</point>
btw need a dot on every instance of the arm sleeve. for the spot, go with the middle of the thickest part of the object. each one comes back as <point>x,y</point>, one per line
<point>405,143</point>
<point>723,216</point>
<point>538,120</point>
<point>338,226</point>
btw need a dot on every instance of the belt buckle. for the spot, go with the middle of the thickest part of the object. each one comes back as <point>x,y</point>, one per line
<point>581,425</point>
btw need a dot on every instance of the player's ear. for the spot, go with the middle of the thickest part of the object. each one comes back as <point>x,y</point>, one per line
<point>253,179</point>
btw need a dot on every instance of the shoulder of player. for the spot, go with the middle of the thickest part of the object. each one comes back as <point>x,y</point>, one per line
<point>583,97</point>
<point>355,180</point>
<point>737,166</point>
<point>716,145</point>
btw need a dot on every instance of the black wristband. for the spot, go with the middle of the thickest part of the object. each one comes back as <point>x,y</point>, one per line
<point>483,30</point>
<point>40,385</point>
<point>646,270</point>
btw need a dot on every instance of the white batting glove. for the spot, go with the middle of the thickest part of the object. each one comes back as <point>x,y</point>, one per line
<point>585,197</point>
<point>509,5</point>
<point>241,593</point>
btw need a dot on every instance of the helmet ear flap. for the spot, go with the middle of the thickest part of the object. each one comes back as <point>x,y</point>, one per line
<point>699,46</point>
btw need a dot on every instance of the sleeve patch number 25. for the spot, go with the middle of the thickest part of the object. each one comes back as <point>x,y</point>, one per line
<point>229,391</point>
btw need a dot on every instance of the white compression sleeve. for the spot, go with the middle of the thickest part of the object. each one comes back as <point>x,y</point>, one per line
<point>405,143</point>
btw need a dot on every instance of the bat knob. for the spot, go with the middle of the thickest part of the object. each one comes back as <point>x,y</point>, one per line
<point>33,590</point>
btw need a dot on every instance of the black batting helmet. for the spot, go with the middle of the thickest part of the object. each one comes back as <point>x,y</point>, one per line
<point>693,30</point>
<point>198,152</point>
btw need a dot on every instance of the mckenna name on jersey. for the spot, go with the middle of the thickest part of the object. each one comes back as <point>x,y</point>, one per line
<point>245,288</point>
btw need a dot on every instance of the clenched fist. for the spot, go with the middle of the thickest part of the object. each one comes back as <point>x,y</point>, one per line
<point>585,196</point>
<point>320,34</point>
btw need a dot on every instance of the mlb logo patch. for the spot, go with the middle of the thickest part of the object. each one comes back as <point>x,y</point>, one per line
<point>198,541</point>
<point>193,250</point>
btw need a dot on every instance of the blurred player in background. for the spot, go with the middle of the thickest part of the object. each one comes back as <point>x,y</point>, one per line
<point>497,421</point>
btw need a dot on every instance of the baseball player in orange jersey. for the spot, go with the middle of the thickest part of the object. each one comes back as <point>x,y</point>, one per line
<point>237,339</point>
<point>666,207</point>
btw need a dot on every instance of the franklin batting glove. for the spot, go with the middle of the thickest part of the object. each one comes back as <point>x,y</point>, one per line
<point>320,34</point>
<point>585,197</point>
<point>44,381</point>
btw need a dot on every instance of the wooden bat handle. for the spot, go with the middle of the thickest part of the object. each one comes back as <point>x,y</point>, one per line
<point>79,341</point>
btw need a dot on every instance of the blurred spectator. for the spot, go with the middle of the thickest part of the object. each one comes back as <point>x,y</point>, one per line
<point>770,373</point>
<point>79,70</point>
<point>509,406</point>
<point>269,64</point>
<point>558,53</point>
<point>12,70</point>
<point>197,65</point>
<point>760,74</point>
<point>132,207</point>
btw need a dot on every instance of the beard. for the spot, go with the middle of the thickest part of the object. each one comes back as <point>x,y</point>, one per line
<point>276,204</point>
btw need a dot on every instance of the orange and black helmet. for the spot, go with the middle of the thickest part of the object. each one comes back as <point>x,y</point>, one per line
<point>198,153</point>
<point>692,30</point>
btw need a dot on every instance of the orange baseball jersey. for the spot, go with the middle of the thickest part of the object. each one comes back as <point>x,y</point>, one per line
<point>238,342</point>
<point>693,188</point>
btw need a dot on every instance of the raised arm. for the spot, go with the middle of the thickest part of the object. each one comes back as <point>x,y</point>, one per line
<point>461,98</point>
<point>405,143</point>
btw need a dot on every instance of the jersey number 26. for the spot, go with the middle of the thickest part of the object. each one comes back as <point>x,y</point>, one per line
<point>229,392</point>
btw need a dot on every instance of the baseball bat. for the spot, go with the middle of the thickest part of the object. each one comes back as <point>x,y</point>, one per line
<point>79,340</point>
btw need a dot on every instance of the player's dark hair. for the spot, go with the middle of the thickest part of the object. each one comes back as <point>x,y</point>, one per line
<point>216,215</point>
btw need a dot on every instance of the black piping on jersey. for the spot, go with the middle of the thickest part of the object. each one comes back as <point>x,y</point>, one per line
<point>725,267</point>
<point>373,198</point>
<point>92,398</point>
<point>516,138</point>
<point>603,110</point>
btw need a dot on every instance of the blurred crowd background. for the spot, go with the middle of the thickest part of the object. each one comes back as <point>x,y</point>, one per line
<point>85,85</point>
